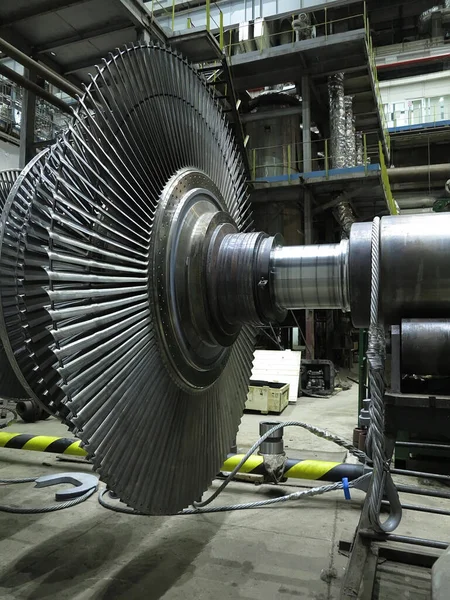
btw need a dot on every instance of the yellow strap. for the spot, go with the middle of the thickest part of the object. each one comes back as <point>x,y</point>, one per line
<point>249,465</point>
<point>5,437</point>
<point>310,469</point>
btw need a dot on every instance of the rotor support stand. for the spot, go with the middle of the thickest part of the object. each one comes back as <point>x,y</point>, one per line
<point>406,409</point>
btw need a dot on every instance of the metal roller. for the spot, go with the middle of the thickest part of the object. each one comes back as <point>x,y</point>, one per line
<point>313,276</point>
<point>414,268</point>
<point>425,347</point>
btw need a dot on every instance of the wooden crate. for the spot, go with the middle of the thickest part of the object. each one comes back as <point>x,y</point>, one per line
<point>267,396</point>
<point>278,366</point>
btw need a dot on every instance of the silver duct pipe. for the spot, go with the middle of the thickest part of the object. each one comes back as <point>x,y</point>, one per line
<point>344,215</point>
<point>359,148</point>
<point>350,140</point>
<point>337,120</point>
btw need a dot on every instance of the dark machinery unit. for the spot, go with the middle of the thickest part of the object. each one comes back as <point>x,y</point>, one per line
<point>317,377</point>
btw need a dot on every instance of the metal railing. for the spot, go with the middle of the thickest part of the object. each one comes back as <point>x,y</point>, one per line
<point>286,160</point>
<point>425,118</point>
<point>414,46</point>
<point>267,38</point>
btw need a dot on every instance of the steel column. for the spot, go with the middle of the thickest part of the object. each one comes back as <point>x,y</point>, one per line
<point>27,122</point>
<point>307,213</point>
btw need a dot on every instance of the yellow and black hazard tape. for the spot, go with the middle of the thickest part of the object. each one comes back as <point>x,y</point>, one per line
<point>297,469</point>
<point>41,443</point>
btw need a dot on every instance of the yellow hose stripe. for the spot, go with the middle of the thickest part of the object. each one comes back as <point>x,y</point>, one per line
<point>247,467</point>
<point>310,469</point>
<point>5,437</point>
<point>75,450</point>
<point>39,443</point>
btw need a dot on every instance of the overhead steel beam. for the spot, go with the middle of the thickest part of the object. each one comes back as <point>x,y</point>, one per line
<point>21,44</point>
<point>142,17</point>
<point>87,34</point>
<point>280,112</point>
<point>37,10</point>
<point>60,82</point>
<point>35,88</point>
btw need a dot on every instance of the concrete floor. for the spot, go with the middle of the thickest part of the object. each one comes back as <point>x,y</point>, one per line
<point>281,553</point>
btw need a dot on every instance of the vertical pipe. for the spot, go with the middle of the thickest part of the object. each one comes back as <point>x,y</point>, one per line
<point>337,120</point>
<point>221,42</point>
<point>254,164</point>
<point>326,160</point>
<point>307,213</point>
<point>208,15</point>
<point>365,152</point>
<point>173,15</point>
<point>350,141</point>
<point>359,148</point>
<point>306,122</point>
<point>289,162</point>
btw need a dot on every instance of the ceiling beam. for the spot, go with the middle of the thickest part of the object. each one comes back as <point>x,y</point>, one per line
<point>44,7</point>
<point>87,34</point>
<point>141,17</point>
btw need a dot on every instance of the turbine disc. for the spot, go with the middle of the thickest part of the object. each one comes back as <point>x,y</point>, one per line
<point>10,386</point>
<point>148,166</point>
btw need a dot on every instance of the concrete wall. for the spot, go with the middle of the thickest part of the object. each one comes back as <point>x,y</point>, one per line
<point>9,156</point>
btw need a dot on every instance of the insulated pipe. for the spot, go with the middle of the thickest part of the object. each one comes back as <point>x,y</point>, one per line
<point>46,73</point>
<point>399,174</point>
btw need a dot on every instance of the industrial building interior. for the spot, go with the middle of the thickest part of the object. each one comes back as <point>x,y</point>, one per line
<point>225,299</point>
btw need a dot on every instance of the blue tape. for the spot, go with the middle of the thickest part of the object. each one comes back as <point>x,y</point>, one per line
<point>346,488</point>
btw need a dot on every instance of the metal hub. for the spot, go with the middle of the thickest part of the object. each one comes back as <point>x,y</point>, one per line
<point>191,214</point>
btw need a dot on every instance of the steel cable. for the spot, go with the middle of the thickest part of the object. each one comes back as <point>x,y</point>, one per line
<point>34,510</point>
<point>376,354</point>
